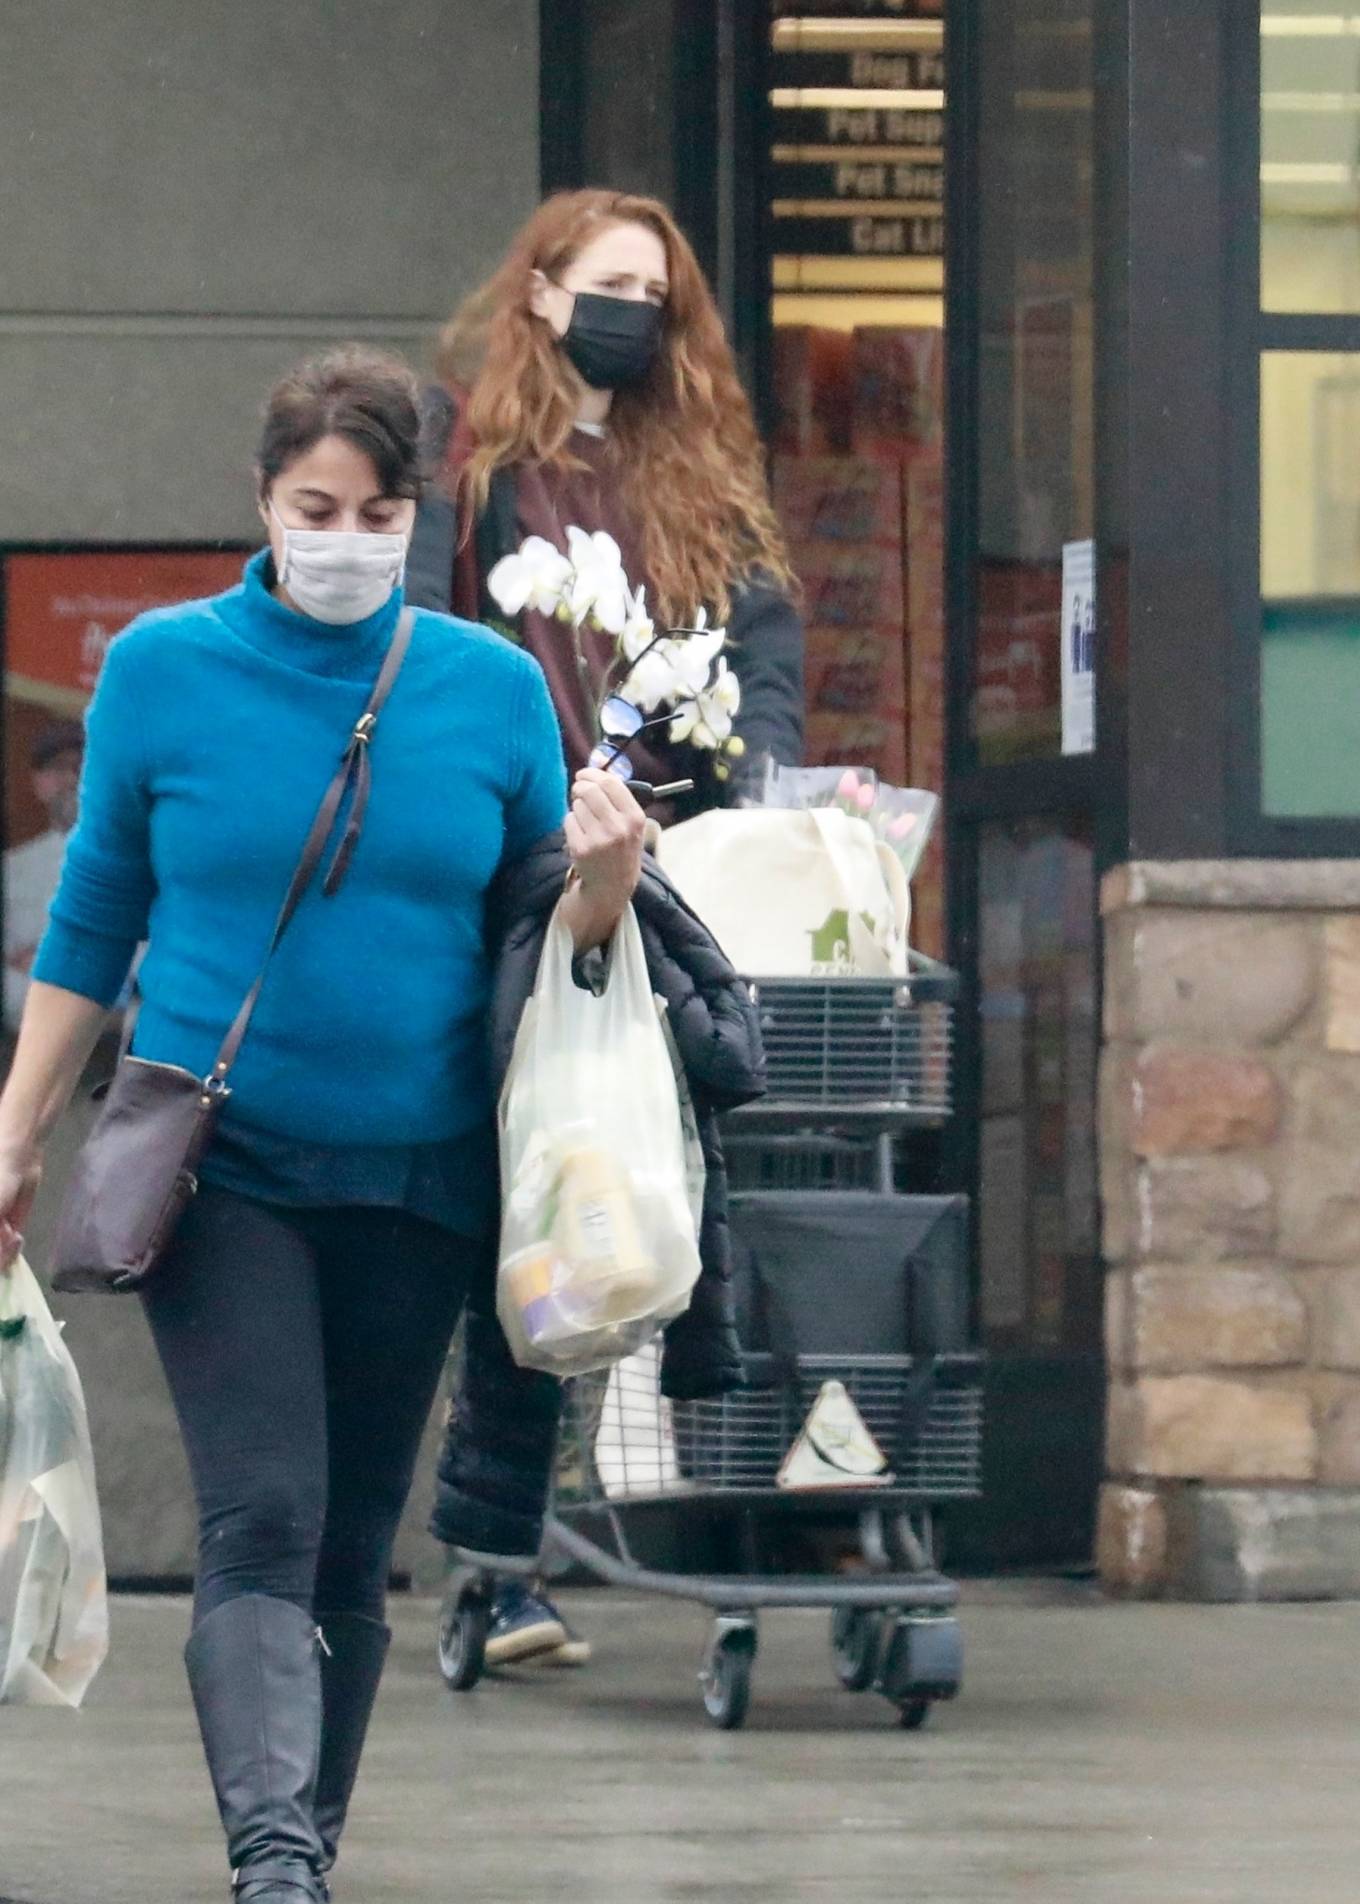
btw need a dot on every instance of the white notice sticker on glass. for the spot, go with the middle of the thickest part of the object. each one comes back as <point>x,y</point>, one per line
<point>1079,648</point>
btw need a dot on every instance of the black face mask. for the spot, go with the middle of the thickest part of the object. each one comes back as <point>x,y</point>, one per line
<point>612,341</point>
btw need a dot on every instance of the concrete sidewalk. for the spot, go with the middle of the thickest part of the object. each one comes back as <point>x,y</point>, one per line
<point>1110,1753</point>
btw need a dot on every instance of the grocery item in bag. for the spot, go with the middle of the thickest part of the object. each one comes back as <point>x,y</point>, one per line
<point>599,1238</point>
<point>635,1450</point>
<point>592,1270</point>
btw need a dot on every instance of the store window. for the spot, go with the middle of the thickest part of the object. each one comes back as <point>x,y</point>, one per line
<point>1038,1201</point>
<point>1036,369</point>
<point>1310,137</point>
<point>856,97</point>
<point>1310,410</point>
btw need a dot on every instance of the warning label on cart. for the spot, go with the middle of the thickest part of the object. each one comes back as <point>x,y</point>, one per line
<point>834,1447</point>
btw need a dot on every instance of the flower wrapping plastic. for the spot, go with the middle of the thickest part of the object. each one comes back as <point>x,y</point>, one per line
<point>902,818</point>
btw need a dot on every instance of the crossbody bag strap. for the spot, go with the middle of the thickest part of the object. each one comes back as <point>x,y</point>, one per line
<point>353,775</point>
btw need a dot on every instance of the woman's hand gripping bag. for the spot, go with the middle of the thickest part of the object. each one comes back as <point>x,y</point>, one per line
<point>599,1234</point>
<point>54,1623</point>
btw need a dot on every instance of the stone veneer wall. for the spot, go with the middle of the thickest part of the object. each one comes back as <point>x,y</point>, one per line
<point>1230,1176</point>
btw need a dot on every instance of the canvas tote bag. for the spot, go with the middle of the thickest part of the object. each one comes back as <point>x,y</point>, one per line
<point>810,894</point>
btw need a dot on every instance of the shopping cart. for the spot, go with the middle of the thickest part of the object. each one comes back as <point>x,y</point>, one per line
<point>856,1067</point>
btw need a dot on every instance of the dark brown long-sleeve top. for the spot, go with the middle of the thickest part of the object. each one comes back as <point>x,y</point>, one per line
<point>448,566</point>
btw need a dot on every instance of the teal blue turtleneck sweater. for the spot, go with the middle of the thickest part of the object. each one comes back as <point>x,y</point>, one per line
<point>212,735</point>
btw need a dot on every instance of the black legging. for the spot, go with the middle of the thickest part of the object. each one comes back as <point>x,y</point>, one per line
<point>303,1350</point>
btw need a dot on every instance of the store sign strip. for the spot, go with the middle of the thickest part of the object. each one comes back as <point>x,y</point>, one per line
<point>859,126</point>
<point>911,71</point>
<point>863,235</point>
<point>855,178</point>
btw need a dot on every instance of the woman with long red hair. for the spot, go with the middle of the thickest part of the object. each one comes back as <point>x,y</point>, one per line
<point>589,384</point>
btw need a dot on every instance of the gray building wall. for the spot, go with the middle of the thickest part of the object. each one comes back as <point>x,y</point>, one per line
<point>195,195</point>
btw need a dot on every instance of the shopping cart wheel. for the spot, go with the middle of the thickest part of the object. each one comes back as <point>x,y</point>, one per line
<point>464,1622</point>
<point>856,1641</point>
<point>725,1679</point>
<point>922,1662</point>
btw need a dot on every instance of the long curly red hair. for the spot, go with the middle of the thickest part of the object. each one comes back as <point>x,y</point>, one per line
<point>685,441</point>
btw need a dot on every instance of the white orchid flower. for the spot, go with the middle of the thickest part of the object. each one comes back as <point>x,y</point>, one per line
<point>639,630</point>
<point>599,587</point>
<point>684,671</point>
<point>678,669</point>
<point>697,655</point>
<point>707,720</point>
<point>534,576</point>
<point>720,704</point>
<point>658,678</point>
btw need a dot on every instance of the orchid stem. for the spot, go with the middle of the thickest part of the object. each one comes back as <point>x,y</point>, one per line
<point>583,671</point>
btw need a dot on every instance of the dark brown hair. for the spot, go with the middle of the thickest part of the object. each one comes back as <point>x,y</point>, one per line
<point>367,396</point>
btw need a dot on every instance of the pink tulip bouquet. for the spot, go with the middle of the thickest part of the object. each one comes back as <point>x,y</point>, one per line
<point>902,817</point>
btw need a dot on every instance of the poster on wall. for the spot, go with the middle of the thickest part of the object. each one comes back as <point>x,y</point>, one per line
<point>61,611</point>
<point>1078,648</point>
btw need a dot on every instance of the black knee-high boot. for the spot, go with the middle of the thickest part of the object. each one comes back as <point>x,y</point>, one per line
<point>353,1650</point>
<point>256,1682</point>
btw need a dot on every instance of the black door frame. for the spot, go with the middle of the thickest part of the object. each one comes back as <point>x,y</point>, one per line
<point>1037,1402</point>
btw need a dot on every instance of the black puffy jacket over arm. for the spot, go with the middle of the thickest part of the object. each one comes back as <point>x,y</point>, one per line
<point>496,1464</point>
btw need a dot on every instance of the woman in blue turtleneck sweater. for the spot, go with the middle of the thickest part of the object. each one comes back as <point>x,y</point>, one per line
<point>307,1302</point>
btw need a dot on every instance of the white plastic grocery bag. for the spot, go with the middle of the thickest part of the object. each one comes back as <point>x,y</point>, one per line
<point>54,1621</point>
<point>809,894</point>
<point>599,1244</point>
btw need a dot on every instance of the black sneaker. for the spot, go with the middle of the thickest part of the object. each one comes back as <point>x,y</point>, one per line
<point>522,1626</point>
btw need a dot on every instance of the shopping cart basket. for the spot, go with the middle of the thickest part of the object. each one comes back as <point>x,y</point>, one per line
<point>854,1064</point>
<point>855,1054</point>
<point>625,1447</point>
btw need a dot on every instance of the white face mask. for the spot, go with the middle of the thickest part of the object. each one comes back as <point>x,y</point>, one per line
<point>339,575</point>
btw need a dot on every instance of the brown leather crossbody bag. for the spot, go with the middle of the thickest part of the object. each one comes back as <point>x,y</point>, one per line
<point>138,1170</point>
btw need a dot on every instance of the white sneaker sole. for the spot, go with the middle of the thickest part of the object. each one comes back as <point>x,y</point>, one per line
<point>528,1642</point>
<point>569,1654</point>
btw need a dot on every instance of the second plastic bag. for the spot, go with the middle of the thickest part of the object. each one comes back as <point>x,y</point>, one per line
<point>599,1245</point>
<point>54,1623</point>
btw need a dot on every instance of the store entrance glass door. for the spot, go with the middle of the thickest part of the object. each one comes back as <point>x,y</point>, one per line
<point>930,182</point>
<point>1024,772</point>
